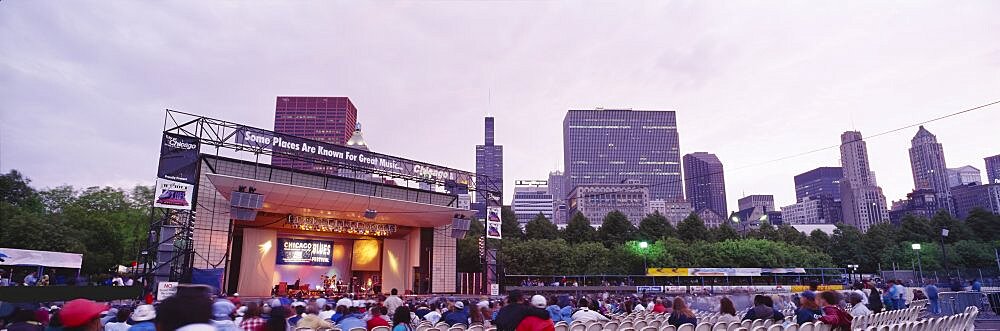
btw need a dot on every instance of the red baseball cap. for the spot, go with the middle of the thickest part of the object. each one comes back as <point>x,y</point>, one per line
<point>80,311</point>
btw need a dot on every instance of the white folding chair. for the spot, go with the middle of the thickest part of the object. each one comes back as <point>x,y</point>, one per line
<point>686,327</point>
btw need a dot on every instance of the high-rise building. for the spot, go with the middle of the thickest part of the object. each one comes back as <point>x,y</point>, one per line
<point>929,169</point>
<point>922,203</point>
<point>531,197</point>
<point>674,211</point>
<point>765,201</point>
<point>807,211</point>
<point>489,169</point>
<point>862,200</point>
<point>969,197</point>
<point>557,187</point>
<point>993,169</point>
<point>610,146</point>
<point>705,183</point>
<point>964,175</point>
<point>597,200</point>
<point>327,119</point>
<point>822,187</point>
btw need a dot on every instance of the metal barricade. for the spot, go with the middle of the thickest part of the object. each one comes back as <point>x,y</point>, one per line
<point>956,302</point>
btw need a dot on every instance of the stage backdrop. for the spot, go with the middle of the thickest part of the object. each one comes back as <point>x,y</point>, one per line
<point>395,265</point>
<point>310,274</point>
<point>367,255</point>
<point>257,269</point>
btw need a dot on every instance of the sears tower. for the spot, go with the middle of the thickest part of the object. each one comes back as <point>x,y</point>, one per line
<point>489,169</point>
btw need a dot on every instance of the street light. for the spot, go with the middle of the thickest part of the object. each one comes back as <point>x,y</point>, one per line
<point>944,252</point>
<point>916,247</point>
<point>645,268</point>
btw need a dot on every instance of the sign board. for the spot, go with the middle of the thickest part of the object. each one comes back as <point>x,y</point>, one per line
<point>165,290</point>
<point>494,289</point>
<point>649,289</point>
<point>305,252</point>
<point>464,201</point>
<point>337,154</point>
<point>670,272</point>
<point>179,158</point>
<point>493,223</point>
<point>173,195</point>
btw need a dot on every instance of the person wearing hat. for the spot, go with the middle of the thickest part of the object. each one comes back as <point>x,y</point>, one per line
<point>808,309</point>
<point>143,317</point>
<point>457,315</point>
<point>511,315</point>
<point>24,320</point>
<point>535,323</point>
<point>82,315</point>
<point>221,310</point>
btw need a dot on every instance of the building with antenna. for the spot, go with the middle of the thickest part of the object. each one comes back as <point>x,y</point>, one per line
<point>489,168</point>
<point>863,202</point>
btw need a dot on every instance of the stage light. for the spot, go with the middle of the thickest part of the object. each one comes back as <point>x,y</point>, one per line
<point>371,213</point>
<point>265,247</point>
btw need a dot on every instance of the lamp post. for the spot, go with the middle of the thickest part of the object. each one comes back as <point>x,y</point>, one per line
<point>944,253</point>
<point>916,247</point>
<point>645,268</point>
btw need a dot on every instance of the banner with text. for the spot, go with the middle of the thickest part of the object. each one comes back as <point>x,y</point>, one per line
<point>173,195</point>
<point>179,158</point>
<point>305,252</point>
<point>306,148</point>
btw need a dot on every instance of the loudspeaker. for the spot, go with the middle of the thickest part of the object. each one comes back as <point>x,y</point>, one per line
<point>459,222</point>
<point>242,214</point>
<point>244,205</point>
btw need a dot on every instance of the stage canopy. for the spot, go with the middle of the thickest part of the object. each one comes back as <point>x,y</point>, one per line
<point>280,198</point>
<point>26,257</point>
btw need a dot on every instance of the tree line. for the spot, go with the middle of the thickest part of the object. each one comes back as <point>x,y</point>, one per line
<point>541,248</point>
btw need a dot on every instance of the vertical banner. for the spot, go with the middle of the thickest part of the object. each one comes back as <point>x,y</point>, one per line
<point>179,158</point>
<point>173,195</point>
<point>493,223</point>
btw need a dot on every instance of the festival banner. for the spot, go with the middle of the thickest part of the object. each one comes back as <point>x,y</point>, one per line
<point>669,272</point>
<point>347,156</point>
<point>173,195</point>
<point>305,252</point>
<point>179,158</point>
<point>493,223</point>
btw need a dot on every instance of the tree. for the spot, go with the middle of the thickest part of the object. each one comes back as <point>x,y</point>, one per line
<point>578,230</point>
<point>509,228</point>
<point>541,228</point>
<point>654,227</point>
<point>692,229</point>
<point>879,237</point>
<point>916,229</point>
<point>790,235</point>
<point>957,230</point>
<point>984,224</point>
<point>723,232</point>
<point>765,231</point>
<point>819,240</point>
<point>845,246</point>
<point>615,229</point>
<point>16,191</point>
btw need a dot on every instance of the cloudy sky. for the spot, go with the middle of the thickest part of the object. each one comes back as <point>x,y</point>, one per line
<point>83,84</point>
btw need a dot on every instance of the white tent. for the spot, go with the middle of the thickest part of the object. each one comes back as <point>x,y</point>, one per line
<point>27,257</point>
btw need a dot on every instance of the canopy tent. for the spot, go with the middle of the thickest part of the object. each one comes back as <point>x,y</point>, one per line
<point>27,257</point>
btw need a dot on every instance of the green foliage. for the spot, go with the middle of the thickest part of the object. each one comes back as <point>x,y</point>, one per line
<point>723,232</point>
<point>654,227</point>
<point>468,257</point>
<point>541,228</point>
<point>692,229</point>
<point>916,229</point>
<point>616,229</point>
<point>578,230</point>
<point>787,234</point>
<point>957,230</point>
<point>819,240</point>
<point>845,246</point>
<point>509,228</point>
<point>984,225</point>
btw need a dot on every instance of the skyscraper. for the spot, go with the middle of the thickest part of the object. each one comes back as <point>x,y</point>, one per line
<point>929,169</point>
<point>327,119</point>
<point>489,168</point>
<point>705,183</point>
<point>862,199</point>
<point>557,187</point>
<point>531,197</point>
<point>821,187</point>
<point>611,146</point>
<point>993,169</point>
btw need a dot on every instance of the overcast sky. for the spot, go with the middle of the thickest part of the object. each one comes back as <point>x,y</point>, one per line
<point>83,84</point>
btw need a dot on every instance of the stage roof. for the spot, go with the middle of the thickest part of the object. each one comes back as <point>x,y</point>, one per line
<point>280,198</point>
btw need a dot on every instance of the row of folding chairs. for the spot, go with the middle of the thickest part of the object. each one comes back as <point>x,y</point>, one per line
<point>960,322</point>
<point>887,317</point>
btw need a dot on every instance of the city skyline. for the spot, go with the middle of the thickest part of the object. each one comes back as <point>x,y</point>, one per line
<point>75,84</point>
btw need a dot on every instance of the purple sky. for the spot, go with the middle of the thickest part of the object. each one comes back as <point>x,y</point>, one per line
<point>84,84</point>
